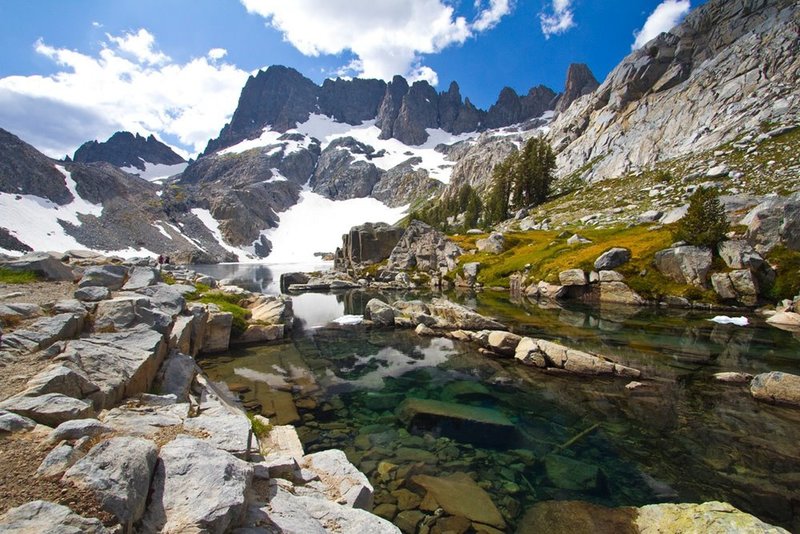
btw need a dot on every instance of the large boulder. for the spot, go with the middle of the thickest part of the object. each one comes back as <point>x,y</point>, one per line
<point>78,428</point>
<point>217,332</point>
<point>197,487</point>
<point>118,472</point>
<point>111,276</point>
<point>11,422</point>
<point>424,248</point>
<point>618,292</point>
<point>738,285</point>
<point>142,277</point>
<point>44,516</point>
<point>493,244</point>
<point>684,264</point>
<point>452,316</point>
<point>777,388</point>
<point>572,277</point>
<point>128,311</point>
<point>60,378</point>
<point>367,244</point>
<point>92,293</point>
<point>119,364</point>
<point>379,313</point>
<point>543,353</point>
<point>708,517</point>
<point>611,259</point>
<point>773,222</point>
<point>43,264</point>
<point>503,342</point>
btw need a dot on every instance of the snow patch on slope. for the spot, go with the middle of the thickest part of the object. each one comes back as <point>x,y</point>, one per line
<point>34,220</point>
<point>316,224</point>
<point>156,172</point>
<point>208,220</point>
<point>326,130</point>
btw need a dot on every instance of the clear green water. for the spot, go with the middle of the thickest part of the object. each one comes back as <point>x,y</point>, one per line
<point>681,437</point>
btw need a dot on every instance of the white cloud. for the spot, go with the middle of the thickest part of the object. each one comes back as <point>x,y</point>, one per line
<point>96,24</point>
<point>128,85</point>
<point>665,17</point>
<point>387,37</point>
<point>559,20</point>
<point>217,53</point>
<point>141,46</point>
<point>490,17</point>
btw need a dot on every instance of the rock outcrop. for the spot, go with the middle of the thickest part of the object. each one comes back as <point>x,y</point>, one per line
<point>691,89</point>
<point>367,244</point>
<point>424,248</point>
<point>124,149</point>
<point>580,82</point>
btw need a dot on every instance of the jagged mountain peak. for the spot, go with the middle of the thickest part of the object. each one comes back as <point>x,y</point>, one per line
<point>280,98</point>
<point>580,82</point>
<point>128,150</point>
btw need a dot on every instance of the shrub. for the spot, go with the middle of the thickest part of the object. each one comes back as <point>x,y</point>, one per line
<point>11,276</point>
<point>705,223</point>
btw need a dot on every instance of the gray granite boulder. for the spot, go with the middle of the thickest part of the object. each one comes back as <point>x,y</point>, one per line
<point>777,388</point>
<point>78,428</point>
<point>197,487</point>
<point>118,472</point>
<point>50,409</point>
<point>92,293</point>
<point>379,313</point>
<point>42,264</point>
<point>110,276</point>
<point>44,516</point>
<point>684,264</point>
<point>11,422</point>
<point>141,277</point>
<point>611,259</point>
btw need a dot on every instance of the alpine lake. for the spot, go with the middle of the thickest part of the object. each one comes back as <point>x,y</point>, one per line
<point>680,437</point>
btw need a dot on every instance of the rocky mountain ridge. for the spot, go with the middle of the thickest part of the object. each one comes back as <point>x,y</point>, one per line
<point>124,149</point>
<point>280,98</point>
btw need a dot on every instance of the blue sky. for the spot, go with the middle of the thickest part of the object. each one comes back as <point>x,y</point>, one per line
<point>79,70</point>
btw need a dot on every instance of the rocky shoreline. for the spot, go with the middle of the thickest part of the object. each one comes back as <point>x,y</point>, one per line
<point>125,414</point>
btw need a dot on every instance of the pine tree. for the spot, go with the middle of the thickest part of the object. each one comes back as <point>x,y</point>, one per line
<point>705,222</point>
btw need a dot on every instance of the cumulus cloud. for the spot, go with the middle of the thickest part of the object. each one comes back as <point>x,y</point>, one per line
<point>558,20</point>
<point>128,85</point>
<point>387,37</point>
<point>217,53</point>
<point>666,16</point>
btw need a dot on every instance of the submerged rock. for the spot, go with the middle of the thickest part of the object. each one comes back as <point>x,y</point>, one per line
<point>777,388</point>
<point>461,422</point>
<point>460,496</point>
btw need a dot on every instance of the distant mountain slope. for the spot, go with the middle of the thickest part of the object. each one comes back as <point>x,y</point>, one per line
<point>49,205</point>
<point>731,67</point>
<point>124,149</point>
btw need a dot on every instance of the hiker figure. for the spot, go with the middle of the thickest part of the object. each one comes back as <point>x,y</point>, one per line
<point>160,261</point>
<point>166,260</point>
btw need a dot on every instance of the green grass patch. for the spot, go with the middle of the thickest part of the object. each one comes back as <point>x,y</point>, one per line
<point>260,429</point>
<point>787,281</point>
<point>11,276</point>
<point>227,302</point>
<point>548,255</point>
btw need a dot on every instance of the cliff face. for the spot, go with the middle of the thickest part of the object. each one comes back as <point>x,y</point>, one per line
<point>729,67</point>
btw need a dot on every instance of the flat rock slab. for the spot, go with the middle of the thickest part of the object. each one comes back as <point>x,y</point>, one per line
<point>457,421</point>
<point>110,276</point>
<point>224,425</point>
<point>59,460</point>
<point>459,495</point>
<point>569,517</point>
<point>51,409</point>
<point>92,293</point>
<point>118,471</point>
<point>141,277</point>
<point>145,420</point>
<point>78,428</point>
<point>45,331</point>
<point>119,364</point>
<point>197,488</point>
<point>44,516</point>
<point>708,517</point>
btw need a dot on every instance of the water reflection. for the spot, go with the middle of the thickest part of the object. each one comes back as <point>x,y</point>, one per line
<point>682,436</point>
<point>257,277</point>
